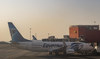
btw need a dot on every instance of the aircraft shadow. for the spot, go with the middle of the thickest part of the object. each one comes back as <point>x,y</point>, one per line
<point>57,57</point>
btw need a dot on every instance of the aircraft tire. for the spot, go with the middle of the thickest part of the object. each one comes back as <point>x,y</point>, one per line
<point>94,52</point>
<point>64,53</point>
<point>50,53</point>
<point>56,53</point>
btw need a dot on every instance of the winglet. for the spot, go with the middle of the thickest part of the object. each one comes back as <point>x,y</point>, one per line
<point>34,38</point>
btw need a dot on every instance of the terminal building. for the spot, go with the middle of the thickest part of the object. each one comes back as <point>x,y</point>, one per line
<point>84,33</point>
<point>54,39</point>
<point>87,33</point>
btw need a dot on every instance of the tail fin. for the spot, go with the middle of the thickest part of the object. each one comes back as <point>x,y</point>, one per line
<point>34,38</point>
<point>15,35</point>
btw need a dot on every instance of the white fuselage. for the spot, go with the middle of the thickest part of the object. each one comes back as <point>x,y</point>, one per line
<point>40,46</point>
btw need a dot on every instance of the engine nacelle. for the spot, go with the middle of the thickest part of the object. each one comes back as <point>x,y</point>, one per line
<point>86,47</point>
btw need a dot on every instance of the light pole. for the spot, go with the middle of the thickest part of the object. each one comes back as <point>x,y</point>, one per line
<point>48,34</point>
<point>94,22</point>
<point>30,33</point>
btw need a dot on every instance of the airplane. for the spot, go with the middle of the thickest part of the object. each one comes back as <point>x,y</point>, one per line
<point>52,47</point>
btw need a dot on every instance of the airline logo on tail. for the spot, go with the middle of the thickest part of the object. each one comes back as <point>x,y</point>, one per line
<point>13,30</point>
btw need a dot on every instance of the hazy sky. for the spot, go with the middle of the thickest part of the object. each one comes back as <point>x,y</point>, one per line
<point>46,16</point>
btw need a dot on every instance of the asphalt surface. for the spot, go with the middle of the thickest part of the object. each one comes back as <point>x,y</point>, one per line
<point>9,52</point>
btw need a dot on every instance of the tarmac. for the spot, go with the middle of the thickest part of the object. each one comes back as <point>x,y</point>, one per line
<point>9,52</point>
